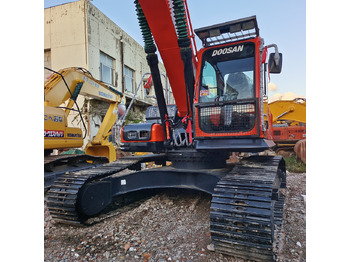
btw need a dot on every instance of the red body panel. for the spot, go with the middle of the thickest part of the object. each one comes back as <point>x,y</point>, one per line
<point>157,135</point>
<point>289,134</point>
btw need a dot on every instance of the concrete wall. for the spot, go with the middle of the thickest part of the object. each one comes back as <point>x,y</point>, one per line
<point>65,35</point>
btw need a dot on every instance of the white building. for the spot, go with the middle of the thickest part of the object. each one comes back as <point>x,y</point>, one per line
<point>78,34</point>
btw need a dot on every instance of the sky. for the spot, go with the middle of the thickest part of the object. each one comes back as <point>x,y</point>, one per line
<point>280,22</point>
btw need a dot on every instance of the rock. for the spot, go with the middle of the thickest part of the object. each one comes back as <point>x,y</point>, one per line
<point>234,158</point>
<point>127,246</point>
<point>211,247</point>
<point>298,244</point>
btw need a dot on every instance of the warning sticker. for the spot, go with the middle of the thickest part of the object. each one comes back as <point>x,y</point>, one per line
<point>53,133</point>
<point>204,93</point>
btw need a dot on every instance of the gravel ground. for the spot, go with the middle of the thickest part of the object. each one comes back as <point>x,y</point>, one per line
<point>169,225</point>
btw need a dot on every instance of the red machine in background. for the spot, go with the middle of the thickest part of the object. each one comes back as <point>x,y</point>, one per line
<point>219,109</point>
<point>289,122</point>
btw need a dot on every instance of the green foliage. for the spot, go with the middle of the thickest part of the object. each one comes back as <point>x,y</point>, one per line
<point>295,165</point>
<point>130,119</point>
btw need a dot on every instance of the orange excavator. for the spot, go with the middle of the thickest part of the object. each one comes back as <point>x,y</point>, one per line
<point>219,109</point>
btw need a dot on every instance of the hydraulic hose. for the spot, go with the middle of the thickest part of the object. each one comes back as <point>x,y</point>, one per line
<point>150,47</point>
<point>181,24</point>
<point>184,43</point>
<point>152,60</point>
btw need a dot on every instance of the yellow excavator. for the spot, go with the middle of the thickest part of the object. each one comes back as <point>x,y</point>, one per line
<point>289,121</point>
<point>61,92</point>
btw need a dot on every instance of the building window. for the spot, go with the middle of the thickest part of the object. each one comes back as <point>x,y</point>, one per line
<point>106,68</point>
<point>128,79</point>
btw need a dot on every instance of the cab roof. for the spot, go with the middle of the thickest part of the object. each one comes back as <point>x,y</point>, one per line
<point>228,32</point>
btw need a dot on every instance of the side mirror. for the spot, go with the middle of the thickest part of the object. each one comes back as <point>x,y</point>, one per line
<point>275,63</point>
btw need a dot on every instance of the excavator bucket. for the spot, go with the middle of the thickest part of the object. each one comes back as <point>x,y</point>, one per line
<point>106,150</point>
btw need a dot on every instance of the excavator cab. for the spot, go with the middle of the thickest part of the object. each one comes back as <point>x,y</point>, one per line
<point>229,88</point>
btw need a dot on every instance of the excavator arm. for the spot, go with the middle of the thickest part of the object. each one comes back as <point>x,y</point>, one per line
<point>100,146</point>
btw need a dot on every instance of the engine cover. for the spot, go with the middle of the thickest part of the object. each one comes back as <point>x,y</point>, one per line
<point>143,137</point>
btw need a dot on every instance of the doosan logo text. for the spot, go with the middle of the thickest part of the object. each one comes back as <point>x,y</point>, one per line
<point>228,50</point>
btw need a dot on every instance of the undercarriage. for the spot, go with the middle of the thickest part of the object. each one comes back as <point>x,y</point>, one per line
<point>246,202</point>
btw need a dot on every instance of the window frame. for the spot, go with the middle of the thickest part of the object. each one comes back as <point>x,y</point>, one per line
<point>227,57</point>
<point>127,78</point>
<point>107,62</point>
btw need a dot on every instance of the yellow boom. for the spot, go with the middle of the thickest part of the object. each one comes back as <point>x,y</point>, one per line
<point>293,111</point>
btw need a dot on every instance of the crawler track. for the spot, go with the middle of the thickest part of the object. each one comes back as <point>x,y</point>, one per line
<point>245,208</point>
<point>63,196</point>
<point>56,166</point>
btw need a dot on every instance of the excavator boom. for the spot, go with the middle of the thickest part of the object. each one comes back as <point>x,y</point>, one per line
<point>56,91</point>
<point>289,110</point>
<point>164,32</point>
